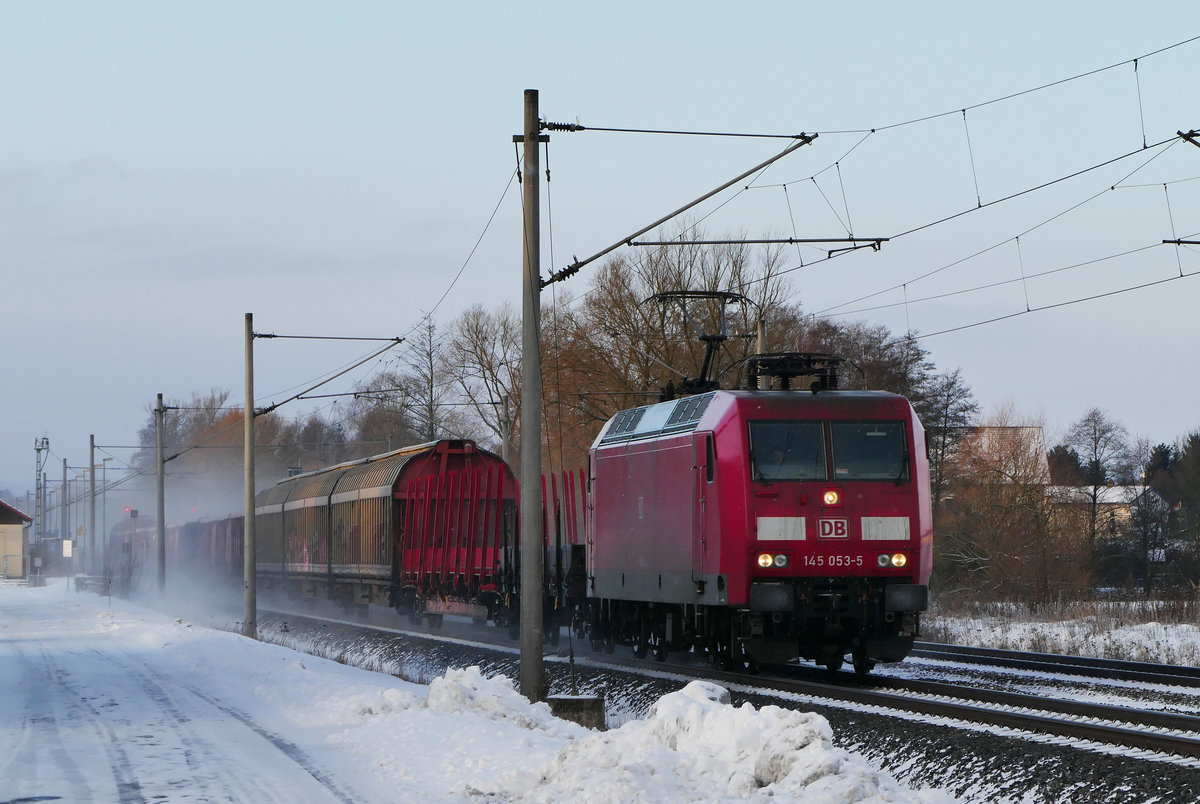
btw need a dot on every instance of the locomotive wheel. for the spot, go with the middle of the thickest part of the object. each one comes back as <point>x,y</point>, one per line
<point>640,648</point>
<point>830,656</point>
<point>862,664</point>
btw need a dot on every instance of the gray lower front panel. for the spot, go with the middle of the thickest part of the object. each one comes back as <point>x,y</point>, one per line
<point>659,587</point>
<point>906,597</point>
<point>772,597</point>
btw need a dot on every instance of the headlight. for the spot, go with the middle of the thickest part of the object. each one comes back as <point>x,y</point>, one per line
<point>884,560</point>
<point>777,560</point>
<point>833,497</point>
<point>899,560</point>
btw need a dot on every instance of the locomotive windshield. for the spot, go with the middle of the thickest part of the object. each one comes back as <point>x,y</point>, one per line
<point>787,450</point>
<point>869,451</point>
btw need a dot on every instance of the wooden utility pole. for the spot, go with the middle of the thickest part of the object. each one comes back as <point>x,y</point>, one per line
<point>64,514</point>
<point>250,615</point>
<point>91,534</point>
<point>532,555</point>
<point>160,475</point>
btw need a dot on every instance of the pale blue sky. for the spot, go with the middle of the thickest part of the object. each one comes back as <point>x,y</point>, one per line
<point>167,168</point>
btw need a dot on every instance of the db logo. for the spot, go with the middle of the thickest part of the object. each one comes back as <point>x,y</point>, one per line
<point>832,528</point>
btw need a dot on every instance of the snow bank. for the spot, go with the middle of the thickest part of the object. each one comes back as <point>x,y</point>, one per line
<point>695,746</point>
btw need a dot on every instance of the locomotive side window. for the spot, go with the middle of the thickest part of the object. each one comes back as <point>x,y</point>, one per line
<point>787,451</point>
<point>869,451</point>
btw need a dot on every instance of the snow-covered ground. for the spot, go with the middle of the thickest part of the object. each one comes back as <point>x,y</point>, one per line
<point>106,701</point>
<point>1130,632</point>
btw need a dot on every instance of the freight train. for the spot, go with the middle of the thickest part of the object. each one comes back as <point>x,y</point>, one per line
<point>786,520</point>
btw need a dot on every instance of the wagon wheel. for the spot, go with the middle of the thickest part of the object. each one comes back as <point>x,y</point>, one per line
<point>735,659</point>
<point>658,645</point>
<point>718,654</point>
<point>745,661</point>
<point>415,609</point>
<point>641,639</point>
<point>507,618</point>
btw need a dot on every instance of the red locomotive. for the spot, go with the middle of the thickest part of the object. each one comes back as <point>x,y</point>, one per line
<point>762,525</point>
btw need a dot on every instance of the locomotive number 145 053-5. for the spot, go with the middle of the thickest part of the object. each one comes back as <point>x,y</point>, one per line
<point>833,561</point>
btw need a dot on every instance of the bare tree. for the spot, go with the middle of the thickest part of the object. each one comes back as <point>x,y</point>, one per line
<point>1003,538</point>
<point>1103,449</point>
<point>1149,519</point>
<point>379,416</point>
<point>483,360</point>
<point>429,385</point>
<point>946,408</point>
<point>203,448</point>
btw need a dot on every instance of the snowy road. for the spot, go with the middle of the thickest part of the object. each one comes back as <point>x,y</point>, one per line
<point>90,718</point>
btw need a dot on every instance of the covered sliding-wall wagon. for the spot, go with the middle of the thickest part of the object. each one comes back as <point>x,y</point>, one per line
<point>428,528</point>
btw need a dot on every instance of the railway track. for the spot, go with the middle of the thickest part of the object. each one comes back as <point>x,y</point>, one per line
<point>1171,736</point>
<point>1113,669</point>
<point>1164,732</point>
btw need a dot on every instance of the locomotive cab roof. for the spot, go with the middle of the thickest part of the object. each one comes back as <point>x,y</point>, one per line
<point>703,411</point>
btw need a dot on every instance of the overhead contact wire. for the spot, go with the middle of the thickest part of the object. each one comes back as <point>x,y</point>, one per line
<point>1066,211</point>
<point>1012,95</point>
<point>1059,304</point>
<point>991,285</point>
